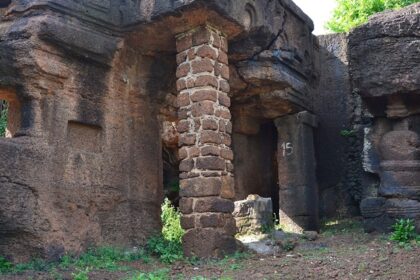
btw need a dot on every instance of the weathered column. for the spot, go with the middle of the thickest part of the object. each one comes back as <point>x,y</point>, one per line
<point>297,180</point>
<point>205,129</point>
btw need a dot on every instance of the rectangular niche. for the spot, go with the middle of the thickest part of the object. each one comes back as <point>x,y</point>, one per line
<point>84,137</point>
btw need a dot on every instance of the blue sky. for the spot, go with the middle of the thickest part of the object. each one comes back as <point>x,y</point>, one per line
<point>319,10</point>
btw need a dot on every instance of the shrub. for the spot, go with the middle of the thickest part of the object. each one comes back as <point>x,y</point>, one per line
<point>352,13</point>
<point>404,231</point>
<point>171,222</point>
<point>168,245</point>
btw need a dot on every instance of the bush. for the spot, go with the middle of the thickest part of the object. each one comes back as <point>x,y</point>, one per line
<point>3,121</point>
<point>168,245</point>
<point>352,13</point>
<point>404,231</point>
<point>171,222</point>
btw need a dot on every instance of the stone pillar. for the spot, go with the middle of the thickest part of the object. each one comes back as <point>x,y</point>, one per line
<point>298,187</point>
<point>205,128</point>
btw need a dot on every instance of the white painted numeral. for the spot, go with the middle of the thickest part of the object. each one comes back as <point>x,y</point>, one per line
<point>287,149</point>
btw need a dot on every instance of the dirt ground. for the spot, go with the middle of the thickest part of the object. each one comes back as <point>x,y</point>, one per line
<point>345,253</point>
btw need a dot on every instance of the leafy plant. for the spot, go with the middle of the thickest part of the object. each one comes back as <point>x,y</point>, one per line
<point>5,265</point>
<point>171,222</point>
<point>352,13</point>
<point>81,274</point>
<point>3,121</point>
<point>168,245</point>
<point>104,258</point>
<point>167,251</point>
<point>404,231</point>
<point>156,275</point>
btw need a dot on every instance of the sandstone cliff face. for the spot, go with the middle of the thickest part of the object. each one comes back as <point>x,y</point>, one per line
<point>384,59</point>
<point>384,54</point>
<point>90,84</point>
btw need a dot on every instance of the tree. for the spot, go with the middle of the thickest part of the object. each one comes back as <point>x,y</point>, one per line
<point>352,13</point>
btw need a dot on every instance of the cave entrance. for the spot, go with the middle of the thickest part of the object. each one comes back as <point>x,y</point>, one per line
<point>256,164</point>
<point>10,114</point>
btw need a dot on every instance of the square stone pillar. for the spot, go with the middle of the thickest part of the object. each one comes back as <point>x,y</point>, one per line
<point>298,189</point>
<point>205,128</point>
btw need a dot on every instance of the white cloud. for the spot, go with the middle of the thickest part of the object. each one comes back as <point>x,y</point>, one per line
<point>319,11</point>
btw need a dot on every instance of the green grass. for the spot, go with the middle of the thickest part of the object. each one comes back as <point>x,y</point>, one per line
<point>161,274</point>
<point>341,226</point>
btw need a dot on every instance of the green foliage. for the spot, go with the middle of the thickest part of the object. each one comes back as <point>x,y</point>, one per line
<point>168,245</point>
<point>167,251</point>
<point>3,121</point>
<point>352,13</point>
<point>171,222</point>
<point>5,265</point>
<point>341,226</point>
<point>103,258</point>
<point>162,274</point>
<point>347,133</point>
<point>404,231</point>
<point>288,245</point>
<point>81,274</point>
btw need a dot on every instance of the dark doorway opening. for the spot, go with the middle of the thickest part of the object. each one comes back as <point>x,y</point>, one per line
<point>256,164</point>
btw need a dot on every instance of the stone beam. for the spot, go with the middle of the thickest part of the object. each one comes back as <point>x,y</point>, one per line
<point>206,179</point>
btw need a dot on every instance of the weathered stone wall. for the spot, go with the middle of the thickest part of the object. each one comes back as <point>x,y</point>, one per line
<point>384,66</point>
<point>339,137</point>
<point>84,166</point>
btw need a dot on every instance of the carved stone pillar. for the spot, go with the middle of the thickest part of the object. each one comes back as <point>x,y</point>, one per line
<point>298,187</point>
<point>207,185</point>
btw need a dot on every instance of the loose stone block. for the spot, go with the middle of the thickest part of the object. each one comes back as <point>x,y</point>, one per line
<point>253,214</point>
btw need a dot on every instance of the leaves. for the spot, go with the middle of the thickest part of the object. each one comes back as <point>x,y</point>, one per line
<point>404,231</point>
<point>352,13</point>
